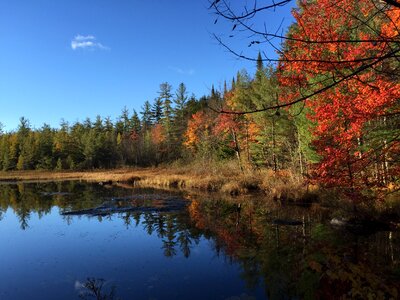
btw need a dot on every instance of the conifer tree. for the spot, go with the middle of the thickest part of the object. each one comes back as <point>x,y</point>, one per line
<point>125,120</point>
<point>135,122</point>
<point>146,115</point>
<point>180,112</point>
<point>157,111</point>
<point>180,102</point>
<point>167,117</point>
<point>166,99</point>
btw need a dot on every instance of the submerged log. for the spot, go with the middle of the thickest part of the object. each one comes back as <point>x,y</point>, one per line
<point>169,204</point>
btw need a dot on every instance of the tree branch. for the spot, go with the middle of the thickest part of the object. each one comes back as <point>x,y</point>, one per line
<point>319,91</point>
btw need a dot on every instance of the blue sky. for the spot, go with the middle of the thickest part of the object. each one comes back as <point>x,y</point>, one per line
<point>74,59</point>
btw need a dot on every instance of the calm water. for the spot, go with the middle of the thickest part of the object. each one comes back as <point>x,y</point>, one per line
<point>208,249</point>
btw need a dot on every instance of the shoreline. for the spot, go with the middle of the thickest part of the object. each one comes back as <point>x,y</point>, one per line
<point>280,187</point>
<point>277,185</point>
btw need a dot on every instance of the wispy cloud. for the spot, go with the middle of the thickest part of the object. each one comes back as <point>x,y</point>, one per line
<point>182,71</point>
<point>86,42</point>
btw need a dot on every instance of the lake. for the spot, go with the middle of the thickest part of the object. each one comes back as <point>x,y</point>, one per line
<point>73,240</point>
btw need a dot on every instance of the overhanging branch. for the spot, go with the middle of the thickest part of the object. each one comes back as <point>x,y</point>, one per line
<point>314,93</point>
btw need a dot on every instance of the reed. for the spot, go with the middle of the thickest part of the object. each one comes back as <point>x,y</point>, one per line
<point>222,177</point>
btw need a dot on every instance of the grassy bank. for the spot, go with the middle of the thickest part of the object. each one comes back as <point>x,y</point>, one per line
<point>221,177</point>
<point>224,178</point>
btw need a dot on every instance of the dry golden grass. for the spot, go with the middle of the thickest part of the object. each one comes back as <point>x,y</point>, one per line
<point>225,177</point>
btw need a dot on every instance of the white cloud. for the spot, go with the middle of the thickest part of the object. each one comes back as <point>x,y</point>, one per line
<point>84,38</point>
<point>86,42</point>
<point>182,71</point>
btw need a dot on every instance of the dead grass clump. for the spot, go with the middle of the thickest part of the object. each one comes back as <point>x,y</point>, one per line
<point>233,188</point>
<point>284,186</point>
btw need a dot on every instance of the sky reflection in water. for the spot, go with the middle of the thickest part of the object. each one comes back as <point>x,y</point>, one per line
<point>141,256</point>
<point>210,249</point>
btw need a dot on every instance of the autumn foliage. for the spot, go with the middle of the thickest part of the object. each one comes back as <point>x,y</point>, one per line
<point>338,87</point>
<point>356,117</point>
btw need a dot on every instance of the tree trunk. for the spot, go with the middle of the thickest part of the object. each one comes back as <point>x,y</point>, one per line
<point>237,149</point>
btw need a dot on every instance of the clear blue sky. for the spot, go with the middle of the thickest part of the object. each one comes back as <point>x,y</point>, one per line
<point>74,59</point>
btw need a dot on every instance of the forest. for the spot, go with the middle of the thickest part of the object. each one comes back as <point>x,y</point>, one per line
<point>326,110</point>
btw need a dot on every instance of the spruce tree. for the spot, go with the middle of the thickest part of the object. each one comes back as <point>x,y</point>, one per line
<point>180,101</point>
<point>260,64</point>
<point>157,111</point>
<point>146,115</point>
<point>167,118</point>
<point>135,122</point>
<point>166,99</point>
<point>125,120</point>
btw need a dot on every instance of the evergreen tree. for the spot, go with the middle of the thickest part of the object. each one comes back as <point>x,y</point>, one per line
<point>260,64</point>
<point>98,124</point>
<point>276,140</point>
<point>25,145</point>
<point>180,100</point>
<point>166,100</point>
<point>45,148</point>
<point>225,89</point>
<point>146,115</point>
<point>180,113</point>
<point>157,111</point>
<point>135,122</point>
<point>167,118</point>
<point>125,120</point>
<point>5,152</point>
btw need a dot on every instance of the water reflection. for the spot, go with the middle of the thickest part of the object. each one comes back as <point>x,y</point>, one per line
<point>297,255</point>
<point>174,229</point>
<point>95,288</point>
<point>291,252</point>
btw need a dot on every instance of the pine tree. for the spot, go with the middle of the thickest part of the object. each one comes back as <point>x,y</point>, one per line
<point>166,100</point>
<point>98,124</point>
<point>45,148</point>
<point>260,64</point>
<point>125,120</point>
<point>5,152</point>
<point>225,89</point>
<point>146,115</point>
<point>167,118</point>
<point>157,111</point>
<point>135,122</point>
<point>180,112</point>
<point>180,102</point>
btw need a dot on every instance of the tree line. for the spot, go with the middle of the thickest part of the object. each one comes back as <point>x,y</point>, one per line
<point>152,136</point>
<point>174,126</point>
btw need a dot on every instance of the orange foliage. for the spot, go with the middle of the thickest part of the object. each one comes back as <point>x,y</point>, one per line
<point>342,112</point>
<point>158,134</point>
<point>198,127</point>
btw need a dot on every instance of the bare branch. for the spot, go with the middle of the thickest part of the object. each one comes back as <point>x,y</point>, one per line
<point>247,14</point>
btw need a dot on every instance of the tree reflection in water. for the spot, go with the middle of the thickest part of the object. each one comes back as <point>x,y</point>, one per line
<point>310,260</point>
<point>94,288</point>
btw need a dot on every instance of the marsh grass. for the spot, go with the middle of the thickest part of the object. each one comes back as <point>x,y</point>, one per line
<point>221,176</point>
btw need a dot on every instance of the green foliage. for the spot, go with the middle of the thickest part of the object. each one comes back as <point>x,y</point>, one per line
<point>59,165</point>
